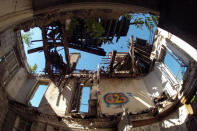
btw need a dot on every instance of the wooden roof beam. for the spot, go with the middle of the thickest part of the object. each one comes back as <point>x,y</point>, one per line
<point>87,49</point>
<point>66,51</point>
<point>46,52</point>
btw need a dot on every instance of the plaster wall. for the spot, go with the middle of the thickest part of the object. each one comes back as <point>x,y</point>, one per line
<point>136,94</point>
<point>19,86</point>
<point>56,101</point>
<point>25,89</point>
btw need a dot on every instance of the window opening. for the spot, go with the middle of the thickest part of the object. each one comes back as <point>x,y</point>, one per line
<point>175,65</point>
<point>37,96</point>
<point>84,100</point>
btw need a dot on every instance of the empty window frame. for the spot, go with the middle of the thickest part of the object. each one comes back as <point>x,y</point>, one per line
<point>38,95</point>
<point>175,65</point>
<point>84,105</point>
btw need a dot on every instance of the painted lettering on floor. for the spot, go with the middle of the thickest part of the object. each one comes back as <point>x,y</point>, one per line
<point>116,98</point>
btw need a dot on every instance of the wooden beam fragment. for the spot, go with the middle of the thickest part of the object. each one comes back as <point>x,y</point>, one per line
<point>112,61</point>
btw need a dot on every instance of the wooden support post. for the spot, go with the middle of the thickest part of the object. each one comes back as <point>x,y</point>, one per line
<point>65,44</point>
<point>112,61</point>
<point>131,52</point>
<point>46,52</point>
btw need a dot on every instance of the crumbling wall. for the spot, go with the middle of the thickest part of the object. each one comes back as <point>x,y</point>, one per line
<point>58,101</point>
<point>135,94</point>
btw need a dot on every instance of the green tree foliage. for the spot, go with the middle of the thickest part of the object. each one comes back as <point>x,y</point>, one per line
<point>34,68</point>
<point>150,21</point>
<point>94,27</point>
<point>96,30</point>
<point>72,26</point>
<point>26,37</point>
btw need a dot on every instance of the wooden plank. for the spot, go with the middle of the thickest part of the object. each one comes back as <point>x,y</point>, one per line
<point>46,52</point>
<point>131,53</point>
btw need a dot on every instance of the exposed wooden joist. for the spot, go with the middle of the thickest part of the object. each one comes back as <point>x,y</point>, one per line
<point>65,44</point>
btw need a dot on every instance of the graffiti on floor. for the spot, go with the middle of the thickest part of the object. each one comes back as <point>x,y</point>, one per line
<point>116,98</point>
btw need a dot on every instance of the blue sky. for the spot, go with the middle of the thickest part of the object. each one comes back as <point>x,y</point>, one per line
<point>84,99</point>
<point>87,61</point>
